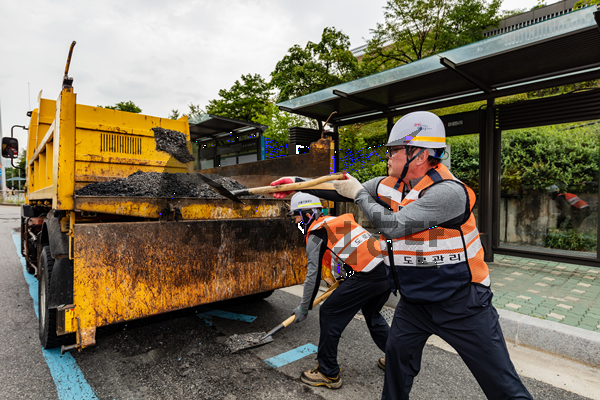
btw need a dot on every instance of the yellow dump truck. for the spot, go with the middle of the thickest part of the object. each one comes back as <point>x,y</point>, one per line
<point>106,260</point>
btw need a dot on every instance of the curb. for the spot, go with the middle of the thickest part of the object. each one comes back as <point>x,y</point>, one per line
<point>10,204</point>
<point>577,344</point>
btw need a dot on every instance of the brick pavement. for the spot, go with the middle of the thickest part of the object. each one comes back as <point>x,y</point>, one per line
<point>559,292</point>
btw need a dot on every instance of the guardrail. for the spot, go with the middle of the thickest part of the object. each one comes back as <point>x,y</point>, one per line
<point>12,196</point>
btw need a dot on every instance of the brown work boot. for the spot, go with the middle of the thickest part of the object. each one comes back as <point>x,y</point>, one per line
<point>381,363</point>
<point>315,377</point>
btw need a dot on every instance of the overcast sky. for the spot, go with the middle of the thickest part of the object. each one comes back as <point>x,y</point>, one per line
<point>160,54</point>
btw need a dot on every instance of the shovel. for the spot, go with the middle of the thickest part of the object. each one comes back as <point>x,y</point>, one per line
<point>252,340</point>
<point>318,183</point>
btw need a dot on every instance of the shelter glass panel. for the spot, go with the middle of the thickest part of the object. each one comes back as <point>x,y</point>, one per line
<point>549,189</point>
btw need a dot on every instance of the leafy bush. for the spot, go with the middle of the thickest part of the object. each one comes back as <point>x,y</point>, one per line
<point>535,158</point>
<point>465,159</point>
<point>570,240</point>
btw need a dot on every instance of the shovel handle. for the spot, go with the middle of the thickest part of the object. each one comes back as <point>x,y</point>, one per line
<point>318,183</point>
<point>291,319</point>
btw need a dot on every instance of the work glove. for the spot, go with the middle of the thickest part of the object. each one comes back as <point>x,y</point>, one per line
<point>348,187</point>
<point>300,314</point>
<point>283,181</point>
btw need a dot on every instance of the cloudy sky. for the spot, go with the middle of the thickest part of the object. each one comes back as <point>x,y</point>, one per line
<point>162,55</point>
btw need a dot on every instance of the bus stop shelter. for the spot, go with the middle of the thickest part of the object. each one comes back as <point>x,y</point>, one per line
<point>559,51</point>
<point>226,141</point>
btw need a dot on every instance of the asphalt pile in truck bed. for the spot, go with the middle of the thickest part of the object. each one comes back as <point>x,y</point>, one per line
<point>166,185</point>
<point>172,142</point>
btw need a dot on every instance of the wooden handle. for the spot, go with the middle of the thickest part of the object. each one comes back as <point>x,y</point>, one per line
<point>317,183</point>
<point>288,321</point>
<point>325,295</point>
<point>291,319</point>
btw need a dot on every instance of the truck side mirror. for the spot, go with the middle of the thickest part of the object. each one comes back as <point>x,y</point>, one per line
<point>10,148</point>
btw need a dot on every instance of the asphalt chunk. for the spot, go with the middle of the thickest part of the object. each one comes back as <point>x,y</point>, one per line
<point>172,142</point>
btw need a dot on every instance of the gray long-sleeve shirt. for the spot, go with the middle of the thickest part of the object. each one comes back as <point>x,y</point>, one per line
<point>438,204</point>
<point>315,246</point>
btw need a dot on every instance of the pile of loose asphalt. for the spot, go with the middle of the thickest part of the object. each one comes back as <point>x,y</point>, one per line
<point>177,356</point>
<point>165,185</point>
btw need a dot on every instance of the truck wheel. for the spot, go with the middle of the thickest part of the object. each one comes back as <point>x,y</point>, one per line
<point>47,317</point>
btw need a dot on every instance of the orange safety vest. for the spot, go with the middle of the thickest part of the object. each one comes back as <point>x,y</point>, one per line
<point>574,200</point>
<point>348,242</point>
<point>434,263</point>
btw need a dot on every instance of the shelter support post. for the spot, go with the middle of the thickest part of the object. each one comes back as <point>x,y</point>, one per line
<point>336,159</point>
<point>486,181</point>
<point>390,125</point>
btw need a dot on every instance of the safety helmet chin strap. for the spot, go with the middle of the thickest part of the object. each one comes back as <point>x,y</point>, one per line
<point>315,214</point>
<point>408,161</point>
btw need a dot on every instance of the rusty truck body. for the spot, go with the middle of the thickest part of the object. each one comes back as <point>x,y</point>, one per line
<point>107,260</point>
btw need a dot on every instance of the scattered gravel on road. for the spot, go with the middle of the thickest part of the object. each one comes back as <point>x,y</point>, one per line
<point>172,142</point>
<point>180,357</point>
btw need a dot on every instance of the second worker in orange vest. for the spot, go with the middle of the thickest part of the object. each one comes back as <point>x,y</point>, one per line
<point>348,249</point>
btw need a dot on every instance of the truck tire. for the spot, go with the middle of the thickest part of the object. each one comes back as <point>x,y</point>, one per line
<point>47,317</point>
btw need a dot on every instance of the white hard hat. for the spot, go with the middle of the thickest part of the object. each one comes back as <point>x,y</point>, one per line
<point>552,188</point>
<point>419,129</point>
<point>304,201</point>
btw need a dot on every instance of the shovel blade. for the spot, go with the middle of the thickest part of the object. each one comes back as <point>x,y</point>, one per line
<point>220,189</point>
<point>245,341</point>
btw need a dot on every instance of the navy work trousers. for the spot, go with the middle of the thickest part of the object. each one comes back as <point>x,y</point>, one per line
<point>469,323</point>
<point>368,292</point>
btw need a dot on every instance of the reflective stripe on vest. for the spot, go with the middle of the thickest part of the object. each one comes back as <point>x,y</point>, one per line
<point>436,247</point>
<point>574,200</point>
<point>349,242</point>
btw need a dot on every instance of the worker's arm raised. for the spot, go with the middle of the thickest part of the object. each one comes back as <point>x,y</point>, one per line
<point>439,204</point>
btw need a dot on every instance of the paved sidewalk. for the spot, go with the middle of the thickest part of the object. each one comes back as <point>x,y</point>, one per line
<point>549,306</point>
<point>559,292</point>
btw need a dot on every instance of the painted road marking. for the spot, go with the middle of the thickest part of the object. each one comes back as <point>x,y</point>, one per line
<point>207,316</point>
<point>292,355</point>
<point>68,378</point>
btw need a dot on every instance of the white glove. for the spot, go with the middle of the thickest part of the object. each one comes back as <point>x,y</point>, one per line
<point>348,187</point>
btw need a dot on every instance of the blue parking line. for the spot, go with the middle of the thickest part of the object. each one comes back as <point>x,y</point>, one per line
<point>207,316</point>
<point>68,378</point>
<point>292,355</point>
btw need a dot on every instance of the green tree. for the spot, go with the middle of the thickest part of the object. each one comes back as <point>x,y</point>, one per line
<point>18,171</point>
<point>415,29</point>
<point>280,122</point>
<point>128,106</point>
<point>585,3</point>
<point>174,114</point>
<point>316,66</point>
<point>194,110</point>
<point>243,101</point>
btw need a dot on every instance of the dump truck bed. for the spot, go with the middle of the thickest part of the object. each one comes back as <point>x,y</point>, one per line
<point>186,208</point>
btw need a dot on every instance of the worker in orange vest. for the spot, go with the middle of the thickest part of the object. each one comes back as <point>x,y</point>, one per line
<point>434,255</point>
<point>573,210</point>
<point>348,249</point>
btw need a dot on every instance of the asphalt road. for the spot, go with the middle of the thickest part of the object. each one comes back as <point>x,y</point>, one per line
<point>182,356</point>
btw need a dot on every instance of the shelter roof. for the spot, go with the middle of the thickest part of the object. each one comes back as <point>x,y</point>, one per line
<point>558,51</point>
<point>207,127</point>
